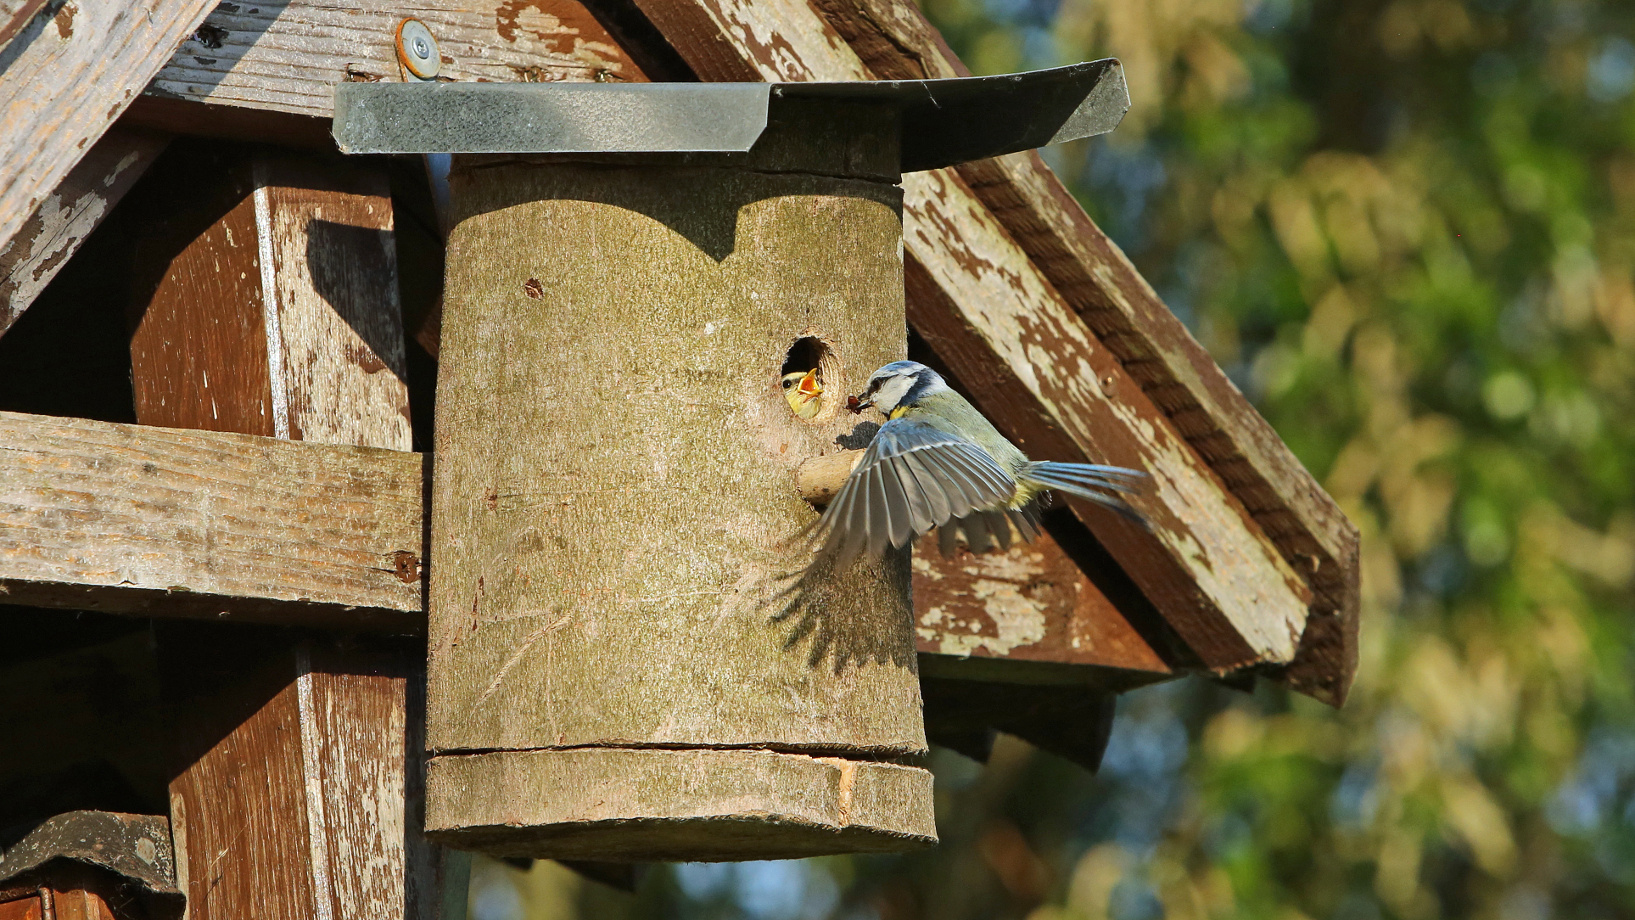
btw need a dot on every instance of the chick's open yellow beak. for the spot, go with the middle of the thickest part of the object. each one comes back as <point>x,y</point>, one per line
<point>802,391</point>
<point>809,386</point>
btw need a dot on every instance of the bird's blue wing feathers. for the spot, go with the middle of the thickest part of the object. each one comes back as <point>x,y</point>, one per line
<point>913,477</point>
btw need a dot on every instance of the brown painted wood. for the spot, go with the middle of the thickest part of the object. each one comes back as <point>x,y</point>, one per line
<point>1032,364</point>
<point>68,215</point>
<point>313,735</point>
<point>312,347</point>
<point>15,15</point>
<point>896,42</point>
<point>291,794</point>
<point>1031,603</point>
<point>28,907</point>
<point>68,75</point>
<point>164,522</point>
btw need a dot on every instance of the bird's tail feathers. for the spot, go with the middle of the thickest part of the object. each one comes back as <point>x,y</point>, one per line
<point>1091,482</point>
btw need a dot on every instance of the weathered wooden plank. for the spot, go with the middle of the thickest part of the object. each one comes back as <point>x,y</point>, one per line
<point>157,521</point>
<point>896,42</point>
<point>1205,564</point>
<point>327,227</point>
<point>1031,603</point>
<point>68,215</point>
<point>287,55</point>
<point>304,245</point>
<point>14,15</point>
<point>64,77</point>
<point>301,244</point>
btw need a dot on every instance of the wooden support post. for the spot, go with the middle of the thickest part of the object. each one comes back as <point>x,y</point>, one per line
<point>614,505</point>
<point>271,308</point>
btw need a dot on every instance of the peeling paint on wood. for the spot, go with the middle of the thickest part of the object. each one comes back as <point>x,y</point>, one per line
<point>54,232</point>
<point>67,77</point>
<point>1031,603</point>
<point>275,311</point>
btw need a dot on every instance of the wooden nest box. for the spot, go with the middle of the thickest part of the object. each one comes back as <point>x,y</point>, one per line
<point>548,618</point>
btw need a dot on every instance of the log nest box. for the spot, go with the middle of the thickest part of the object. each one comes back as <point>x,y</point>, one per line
<point>220,343</point>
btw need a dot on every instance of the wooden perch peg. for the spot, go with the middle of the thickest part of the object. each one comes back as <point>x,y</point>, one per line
<point>820,478</point>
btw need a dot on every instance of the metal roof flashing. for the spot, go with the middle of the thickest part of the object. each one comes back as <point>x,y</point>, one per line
<point>941,122</point>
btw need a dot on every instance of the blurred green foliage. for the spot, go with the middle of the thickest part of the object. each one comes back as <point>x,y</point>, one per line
<point>1407,229</point>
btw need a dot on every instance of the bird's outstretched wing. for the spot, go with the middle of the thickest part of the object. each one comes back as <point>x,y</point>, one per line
<point>912,478</point>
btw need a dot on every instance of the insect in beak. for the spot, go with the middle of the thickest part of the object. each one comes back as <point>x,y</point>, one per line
<point>855,405</point>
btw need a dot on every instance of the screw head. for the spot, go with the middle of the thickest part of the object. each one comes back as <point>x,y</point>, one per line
<point>417,49</point>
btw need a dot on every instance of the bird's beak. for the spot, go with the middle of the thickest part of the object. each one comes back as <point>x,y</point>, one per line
<point>809,386</point>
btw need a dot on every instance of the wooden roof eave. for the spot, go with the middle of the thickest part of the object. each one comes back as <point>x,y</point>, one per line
<point>895,41</point>
<point>1272,524</point>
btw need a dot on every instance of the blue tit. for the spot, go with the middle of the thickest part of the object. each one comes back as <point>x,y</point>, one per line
<point>937,462</point>
<point>802,389</point>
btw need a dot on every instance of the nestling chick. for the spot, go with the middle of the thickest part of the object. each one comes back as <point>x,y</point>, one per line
<point>937,462</point>
<point>802,389</point>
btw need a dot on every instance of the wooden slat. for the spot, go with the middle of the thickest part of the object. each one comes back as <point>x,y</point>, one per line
<point>274,309</point>
<point>65,77</point>
<point>1032,364</point>
<point>896,42</point>
<point>287,55</point>
<point>68,215</point>
<point>158,521</point>
<point>1032,603</point>
<point>14,15</point>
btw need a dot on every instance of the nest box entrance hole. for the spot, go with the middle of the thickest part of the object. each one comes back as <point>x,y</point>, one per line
<point>812,398</point>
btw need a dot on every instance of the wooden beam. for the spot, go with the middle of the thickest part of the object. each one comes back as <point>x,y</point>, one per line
<point>68,72</point>
<point>74,208</point>
<point>1034,367</point>
<point>271,59</point>
<point>1031,605</point>
<point>895,41</point>
<point>162,522</point>
<point>14,15</point>
<point>270,306</point>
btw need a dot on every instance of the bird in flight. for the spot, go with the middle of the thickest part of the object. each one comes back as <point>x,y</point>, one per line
<point>938,463</point>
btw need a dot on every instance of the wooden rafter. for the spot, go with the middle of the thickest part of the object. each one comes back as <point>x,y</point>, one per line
<point>65,76</point>
<point>54,232</point>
